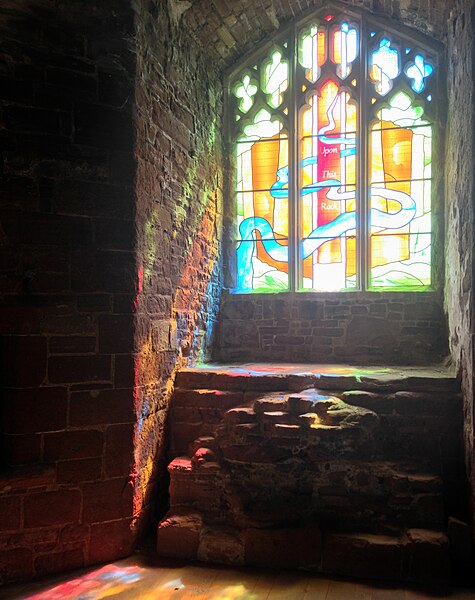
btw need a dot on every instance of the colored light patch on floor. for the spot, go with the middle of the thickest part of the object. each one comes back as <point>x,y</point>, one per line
<point>102,583</point>
<point>138,583</point>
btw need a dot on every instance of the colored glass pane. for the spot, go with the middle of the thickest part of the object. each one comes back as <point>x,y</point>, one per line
<point>275,79</point>
<point>400,208</point>
<point>418,71</point>
<point>384,66</point>
<point>244,92</point>
<point>328,190</point>
<point>313,51</point>
<point>298,216</point>
<point>262,159</point>
<point>344,49</point>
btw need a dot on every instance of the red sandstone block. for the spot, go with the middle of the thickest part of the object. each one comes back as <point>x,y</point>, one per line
<point>428,556</point>
<point>23,478</point>
<point>24,320</point>
<point>183,434</point>
<point>107,500</point>
<point>110,541</point>
<point>34,410</point>
<point>284,430</point>
<point>71,534</point>
<point>77,471</point>
<point>289,340</point>
<point>115,234</point>
<point>124,374</point>
<point>73,444</point>
<point>189,379</point>
<point>119,450</point>
<point>48,229</point>
<point>21,449</point>
<point>222,546</point>
<point>10,513</point>
<point>178,535</point>
<point>33,539</point>
<point>204,398</point>
<point>79,368</point>
<point>125,303</point>
<point>300,547</point>
<point>73,344</point>
<point>24,359</point>
<point>52,508</point>
<point>364,555</point>
<point>255,453</point>
<point>225,381</point>
<point>240,415</point>
<point>101,406</point>
<point>116,334</point>
<point>376,402</point>
<point>15,564</point>
<point>94,303</point>
<point>56,562</point>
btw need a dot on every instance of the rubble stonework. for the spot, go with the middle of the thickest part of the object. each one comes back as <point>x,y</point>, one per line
<point>328,468</point>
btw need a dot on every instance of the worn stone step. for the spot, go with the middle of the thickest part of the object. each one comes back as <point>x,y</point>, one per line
<point>202,397</point>
<point>415,555</point>
<point>275,377</point>
<point>197,413</point>
<point>379,496</point>
<point>406,403</point>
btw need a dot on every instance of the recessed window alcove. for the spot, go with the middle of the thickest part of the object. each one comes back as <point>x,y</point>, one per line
<point>333,258</point>
<point>237,284</point>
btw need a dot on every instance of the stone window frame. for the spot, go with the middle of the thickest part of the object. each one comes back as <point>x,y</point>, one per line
<point>403,32</point>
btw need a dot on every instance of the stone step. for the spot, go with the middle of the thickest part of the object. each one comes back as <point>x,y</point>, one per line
<point>196,413</point>
<point>360,456</point>
<point>382,496</point>
<point>403,424</point>
<point>415,555</point>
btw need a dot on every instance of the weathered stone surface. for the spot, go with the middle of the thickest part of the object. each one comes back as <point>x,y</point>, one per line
<point>222,546</point>
<point>371,329</point>
<point>328,466</point>
<point>178,535</point>
<point>111,235</point>
<point>240,415</point>
<point>285,548</point>
<point>204,398</point>
<point>364,555</point>
<point>428,556</point>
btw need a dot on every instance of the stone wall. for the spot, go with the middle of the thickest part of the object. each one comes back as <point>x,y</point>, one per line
<point>110,266</point>
<point>394,328</point>
<point>178,222</point>
<point>227,29</point>
<point>67,283</point>
<point>459,213</point>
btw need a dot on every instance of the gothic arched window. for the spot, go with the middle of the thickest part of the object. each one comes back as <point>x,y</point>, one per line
<point>332,130</point>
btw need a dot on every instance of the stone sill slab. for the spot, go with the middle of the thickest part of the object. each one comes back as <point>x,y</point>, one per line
<point>290,376</point>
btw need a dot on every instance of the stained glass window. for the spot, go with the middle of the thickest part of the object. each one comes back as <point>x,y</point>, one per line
<point>333,132</point>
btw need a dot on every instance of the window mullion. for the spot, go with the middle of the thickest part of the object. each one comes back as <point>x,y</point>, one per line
<point>294,223</point>
<point>363,225</point>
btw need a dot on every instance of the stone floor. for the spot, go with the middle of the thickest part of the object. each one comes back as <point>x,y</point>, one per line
<point>140,578</point>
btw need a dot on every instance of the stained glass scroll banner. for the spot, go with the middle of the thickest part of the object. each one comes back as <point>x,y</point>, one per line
<point>333,160</point>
